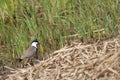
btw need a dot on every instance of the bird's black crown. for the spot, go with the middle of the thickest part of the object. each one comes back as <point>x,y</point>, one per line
<point>35,41</point>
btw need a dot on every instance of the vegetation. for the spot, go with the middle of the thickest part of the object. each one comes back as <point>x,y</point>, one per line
<point>52,22</point>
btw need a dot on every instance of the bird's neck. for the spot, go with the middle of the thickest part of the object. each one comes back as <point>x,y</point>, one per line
<point>34,45</point>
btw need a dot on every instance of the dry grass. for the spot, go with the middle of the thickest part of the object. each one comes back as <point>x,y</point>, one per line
<point>98,61</point>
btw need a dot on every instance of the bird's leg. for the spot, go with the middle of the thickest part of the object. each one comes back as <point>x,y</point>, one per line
<point>26,62</point>
<point>31,62</point>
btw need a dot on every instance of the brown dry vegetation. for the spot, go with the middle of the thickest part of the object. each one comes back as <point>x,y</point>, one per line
<point>98,61</point>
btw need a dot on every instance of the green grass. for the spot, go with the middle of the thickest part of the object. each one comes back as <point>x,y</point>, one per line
<point>51,20</point>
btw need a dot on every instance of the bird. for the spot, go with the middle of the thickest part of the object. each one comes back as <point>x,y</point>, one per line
<point>31,51</point>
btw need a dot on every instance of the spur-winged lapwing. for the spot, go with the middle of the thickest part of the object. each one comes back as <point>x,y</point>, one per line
<point>31,51</point>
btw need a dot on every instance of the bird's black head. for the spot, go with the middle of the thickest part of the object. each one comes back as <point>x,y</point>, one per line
<point>35,43</point>
<point>35,40</point>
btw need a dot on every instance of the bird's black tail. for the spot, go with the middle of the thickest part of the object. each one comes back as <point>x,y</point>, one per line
<point>19,60</point>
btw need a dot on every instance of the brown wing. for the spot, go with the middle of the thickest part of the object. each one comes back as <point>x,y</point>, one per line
<point>31,51</point>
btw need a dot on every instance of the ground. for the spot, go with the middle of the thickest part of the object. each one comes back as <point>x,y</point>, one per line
<point>97,61</point>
